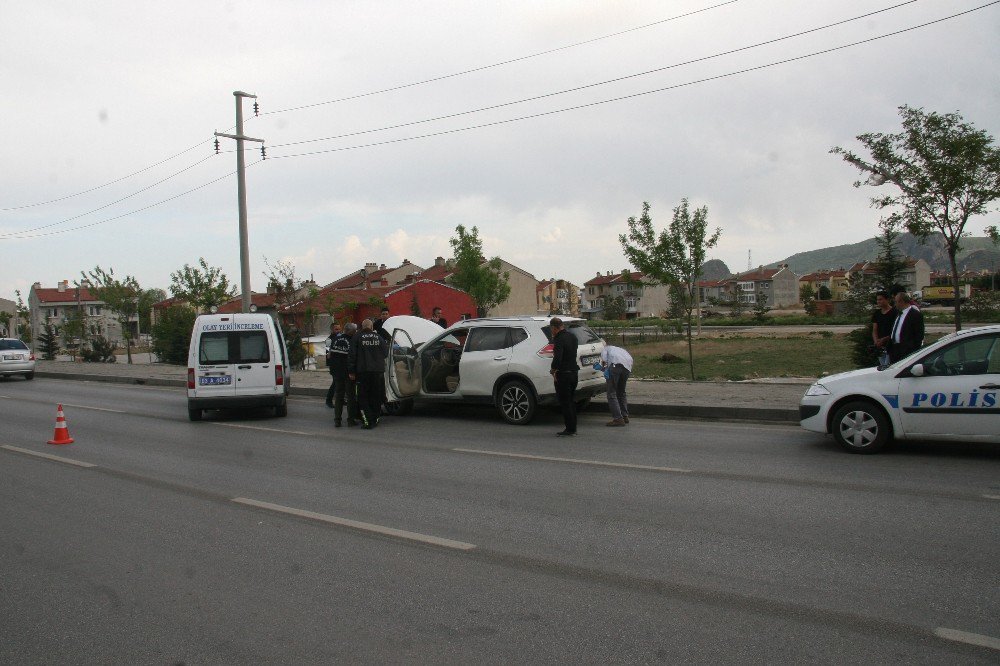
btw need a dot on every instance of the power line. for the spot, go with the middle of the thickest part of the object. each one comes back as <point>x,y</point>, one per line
<point>501,63</point>
<point>108,205</point>
<point>641,94</point>
<point>133,212</point>
<point>599,83</point>
<point>112,182</point>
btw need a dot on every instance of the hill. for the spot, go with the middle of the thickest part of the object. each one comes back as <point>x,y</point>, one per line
<point>714,269</point>
<point>977,253</point>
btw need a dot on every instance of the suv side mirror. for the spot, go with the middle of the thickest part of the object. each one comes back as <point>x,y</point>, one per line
<point>917,370</point>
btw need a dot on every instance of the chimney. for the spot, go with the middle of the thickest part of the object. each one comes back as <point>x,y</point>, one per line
<point>371,267</point>
<point>598,273</point>
<point>37,285</point>
<point>382,267</point>
<point>63,285</point>
<point>406,262</point>
<point>450,263</point>
<point>439,261</point>
<point>607,274</point>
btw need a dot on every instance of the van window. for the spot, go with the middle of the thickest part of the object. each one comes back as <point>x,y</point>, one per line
<point>226,347</point>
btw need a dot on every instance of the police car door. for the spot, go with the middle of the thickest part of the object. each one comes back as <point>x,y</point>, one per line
<point>958,393</point>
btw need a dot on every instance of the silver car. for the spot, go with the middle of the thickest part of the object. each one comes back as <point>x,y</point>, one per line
<point>16,359</point>
<point>501,361</point>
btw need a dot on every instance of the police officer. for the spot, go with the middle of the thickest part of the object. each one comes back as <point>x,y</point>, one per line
<point>366,366</point>
<point>342,388</point>
<point>565,373</point>
<point>336,335</point>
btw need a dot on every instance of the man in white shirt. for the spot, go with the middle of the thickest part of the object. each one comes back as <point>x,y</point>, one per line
<point>618,364</point>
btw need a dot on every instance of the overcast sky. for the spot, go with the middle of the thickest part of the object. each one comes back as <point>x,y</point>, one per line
<point>94,91</point>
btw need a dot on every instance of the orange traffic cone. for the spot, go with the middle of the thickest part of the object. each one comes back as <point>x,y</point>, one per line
<point>61,435</point>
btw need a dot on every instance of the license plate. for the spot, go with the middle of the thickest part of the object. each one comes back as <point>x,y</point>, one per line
<point>13,357</point>
<point>216,381</point>
<point>590,360</point>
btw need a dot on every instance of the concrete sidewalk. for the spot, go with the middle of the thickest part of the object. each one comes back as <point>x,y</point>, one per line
<point>764,400</point>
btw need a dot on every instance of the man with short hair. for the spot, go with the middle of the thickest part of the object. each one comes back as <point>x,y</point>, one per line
<point>366,365</point>
<point>618,364</point>
<point>336,350</point>
<point>565,373</point>
<point>380,321</point>
<point>437,318</point>
<point>882,320</point>
<point>908,330</point>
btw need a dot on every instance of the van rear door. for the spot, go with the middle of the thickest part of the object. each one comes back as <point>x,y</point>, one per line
<point>251,354</point>
<point>215,376</point>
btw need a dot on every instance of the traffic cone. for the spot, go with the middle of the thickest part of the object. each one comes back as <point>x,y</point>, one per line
<point>61,435</point>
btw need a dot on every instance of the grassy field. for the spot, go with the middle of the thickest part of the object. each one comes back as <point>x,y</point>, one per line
<point>745,357</point>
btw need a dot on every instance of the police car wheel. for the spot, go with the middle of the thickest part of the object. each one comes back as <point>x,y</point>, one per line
<point>861,427</point>
<point>516,402</point>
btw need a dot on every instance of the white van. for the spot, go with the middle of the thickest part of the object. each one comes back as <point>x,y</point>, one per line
<point>237,360</point>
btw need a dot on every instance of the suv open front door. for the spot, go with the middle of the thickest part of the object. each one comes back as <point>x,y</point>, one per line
<point>404,366</point>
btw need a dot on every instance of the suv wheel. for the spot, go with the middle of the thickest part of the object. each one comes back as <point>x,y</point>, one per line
<point>29,375</point>
<point>516,402</point>
<point>861,427</point>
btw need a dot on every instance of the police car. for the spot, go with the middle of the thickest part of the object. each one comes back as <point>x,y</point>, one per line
<point>949,390</point>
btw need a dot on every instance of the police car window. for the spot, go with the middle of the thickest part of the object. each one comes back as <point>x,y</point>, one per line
<point>253,347</point>
<point>967,357</point>
<point>487,338</point>
<point>213,348</point>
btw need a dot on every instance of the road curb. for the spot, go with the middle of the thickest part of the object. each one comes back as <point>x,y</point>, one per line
<point>705,412</point>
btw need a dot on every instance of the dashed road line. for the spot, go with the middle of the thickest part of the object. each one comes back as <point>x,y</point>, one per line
<point>358,525</point>
<point>47,456</point>
<point>968,638</point>
<point>996,497</point>
<point>249,427</point>
<point>576,461</point>
<point>96,409</point>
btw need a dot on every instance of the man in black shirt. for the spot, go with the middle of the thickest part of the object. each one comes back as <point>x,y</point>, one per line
<point>366,365</point>
<point>882,320</point>
<point>565,373</point>
<point>438,319</point>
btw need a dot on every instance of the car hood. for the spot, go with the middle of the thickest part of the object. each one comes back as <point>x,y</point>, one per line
<point>420,330</point>
<point>862,377</point>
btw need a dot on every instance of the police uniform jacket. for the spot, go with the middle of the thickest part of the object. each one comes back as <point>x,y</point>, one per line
<point>337,348</point>
<point>367,353</point>
<point>564,348</point>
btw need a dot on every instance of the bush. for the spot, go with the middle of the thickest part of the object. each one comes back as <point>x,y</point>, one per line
<point>863,353</point>
<point>101,350</point>
<point>982,306</point>
<point>172,334</point>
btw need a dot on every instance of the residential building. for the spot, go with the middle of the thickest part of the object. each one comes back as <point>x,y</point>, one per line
<point>712,289</point>
<point>558,297</point>
<point>375,275</point>
<point>915,274</point>
<point>58,304</point>
<point>780,285</point>
<point>641,299</point>
<point>10,307</point>
<point>837,281</point>
<point>523,298</point>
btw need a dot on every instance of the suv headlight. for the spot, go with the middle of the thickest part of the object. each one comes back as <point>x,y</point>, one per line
<point>818,389</point>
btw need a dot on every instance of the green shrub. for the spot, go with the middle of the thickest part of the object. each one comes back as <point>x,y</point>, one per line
<point>172,334</point>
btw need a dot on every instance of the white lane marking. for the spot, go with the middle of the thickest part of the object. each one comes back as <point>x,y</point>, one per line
<point>47,456</point>
<point>996,497</point>
<point>249,427</point>
<point>96,409</point>
<point>969,638</point>
<point>358,525</point>
<point>577,461</point>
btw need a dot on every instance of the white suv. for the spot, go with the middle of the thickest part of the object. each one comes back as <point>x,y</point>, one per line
<point>503,361</point>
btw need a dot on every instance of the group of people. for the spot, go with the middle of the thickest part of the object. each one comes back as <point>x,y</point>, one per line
<point>897,326</point>
<point>615,362</point>
<point>356,361</point>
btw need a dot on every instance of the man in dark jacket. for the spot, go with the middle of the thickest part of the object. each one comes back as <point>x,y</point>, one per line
<point>565,373</point>
<point>366,365</point>
<point>342,389</point>
<point>908,329</point>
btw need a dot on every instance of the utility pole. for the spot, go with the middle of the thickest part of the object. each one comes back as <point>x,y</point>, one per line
<point>242,193</point>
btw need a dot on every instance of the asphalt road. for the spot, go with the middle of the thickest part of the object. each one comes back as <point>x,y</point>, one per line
<point>447,536</point>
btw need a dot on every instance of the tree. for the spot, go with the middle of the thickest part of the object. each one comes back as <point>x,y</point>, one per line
<point>946,171</point>
<point>674,256</point>
<point>485,281</point>
<point>172,334</point>
<point>614,308</point>
<point>147,298</point>
<point>201,287</point>
<point>415,306</point>
<point>74,330</point>
<point>889,264</point>
<point>824,293</point>
<point>5,319</point>
<point>22,319</point>
<point>48,341</point>
<point>760,308</point>
<point>120,296</point>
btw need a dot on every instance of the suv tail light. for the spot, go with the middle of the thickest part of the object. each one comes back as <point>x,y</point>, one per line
<point>279,375</point>
<point>547,351</point>
<point>190,378</point>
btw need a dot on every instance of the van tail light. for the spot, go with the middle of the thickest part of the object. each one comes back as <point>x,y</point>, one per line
<point>547,351</point>
<point>190,378</point>
<point>279,375</point>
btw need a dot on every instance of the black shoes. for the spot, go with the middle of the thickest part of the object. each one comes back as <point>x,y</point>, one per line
<point>351,423</point>
<point>566,433</point>
<point>336,424</point>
